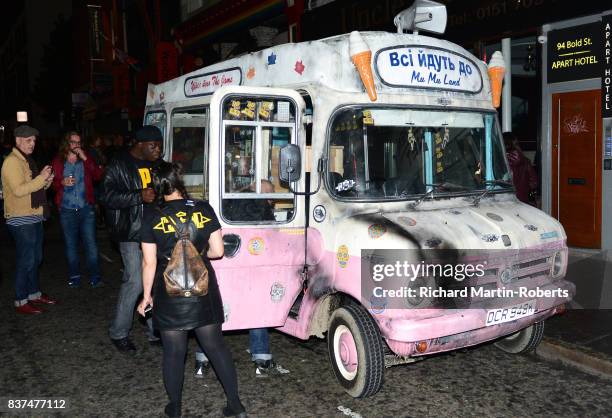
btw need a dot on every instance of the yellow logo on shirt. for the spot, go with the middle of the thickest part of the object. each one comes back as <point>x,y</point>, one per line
<point>145,176</point>
<point>165,224</point>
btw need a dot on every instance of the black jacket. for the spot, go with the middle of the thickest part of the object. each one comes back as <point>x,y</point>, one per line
<point>122,199</point>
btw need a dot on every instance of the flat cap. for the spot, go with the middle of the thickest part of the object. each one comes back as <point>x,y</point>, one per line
<point>148,133</point>
<point>25,131</point>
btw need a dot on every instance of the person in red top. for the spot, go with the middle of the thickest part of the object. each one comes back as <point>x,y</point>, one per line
<point>75,172</point>
<point>524,177</point>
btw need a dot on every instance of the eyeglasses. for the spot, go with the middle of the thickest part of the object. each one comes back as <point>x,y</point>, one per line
<point>75,142</point>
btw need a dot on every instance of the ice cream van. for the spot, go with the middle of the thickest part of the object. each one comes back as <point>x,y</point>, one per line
<point>323,160</point>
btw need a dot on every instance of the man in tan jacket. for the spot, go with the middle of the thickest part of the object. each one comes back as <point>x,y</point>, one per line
<point>24,208</point>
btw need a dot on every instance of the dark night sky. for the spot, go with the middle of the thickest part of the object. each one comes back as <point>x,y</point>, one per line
<point>10,10</point>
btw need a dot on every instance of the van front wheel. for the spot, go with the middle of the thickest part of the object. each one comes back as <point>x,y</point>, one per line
<point>524,341</point>
<point>356,351</point>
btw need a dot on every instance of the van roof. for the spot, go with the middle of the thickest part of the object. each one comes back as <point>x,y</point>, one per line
<point>326,62</point>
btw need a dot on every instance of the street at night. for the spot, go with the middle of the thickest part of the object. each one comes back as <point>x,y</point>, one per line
<point>306,208</point>
<point>65,353</point>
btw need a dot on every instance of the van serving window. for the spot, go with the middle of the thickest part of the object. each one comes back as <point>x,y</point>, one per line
<point>255,129</point>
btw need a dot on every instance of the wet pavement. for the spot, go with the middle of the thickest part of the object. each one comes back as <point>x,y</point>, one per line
<point>65,353</point>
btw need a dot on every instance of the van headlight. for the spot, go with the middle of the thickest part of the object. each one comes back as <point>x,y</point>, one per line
<point>558,263</point>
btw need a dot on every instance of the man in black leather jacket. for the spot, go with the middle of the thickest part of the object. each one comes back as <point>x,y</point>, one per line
<point>127,187</point>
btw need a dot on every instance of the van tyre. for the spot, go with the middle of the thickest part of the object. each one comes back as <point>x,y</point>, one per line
<point>356,351</point>
<point>524,341</point>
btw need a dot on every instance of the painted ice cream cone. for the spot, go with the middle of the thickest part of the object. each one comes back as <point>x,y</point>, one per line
<point>361,55</point>
<point>496,70</point>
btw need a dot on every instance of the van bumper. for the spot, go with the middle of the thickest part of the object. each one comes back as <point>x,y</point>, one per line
<point>452,329</point>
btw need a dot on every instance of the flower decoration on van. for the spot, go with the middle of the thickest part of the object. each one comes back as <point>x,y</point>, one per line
<point>277,291</point>
<point>342,255</point>
<point>378,304</point>
<point>256,246</point>
<point>250,73</point>
<point>319,213</point>
<point>299,67</point>
<point>530,227</point>
<point>272,59</point>
<point>407,220</point>
<point>376,231</point>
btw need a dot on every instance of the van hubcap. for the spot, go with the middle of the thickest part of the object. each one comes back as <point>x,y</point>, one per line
<point>345,352</point>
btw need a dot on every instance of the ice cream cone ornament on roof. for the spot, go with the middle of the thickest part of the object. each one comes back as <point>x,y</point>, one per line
<point>496,70</point>
<point>361,55</point>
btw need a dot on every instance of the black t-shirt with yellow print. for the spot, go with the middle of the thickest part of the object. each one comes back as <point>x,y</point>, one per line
<point>157,228</point>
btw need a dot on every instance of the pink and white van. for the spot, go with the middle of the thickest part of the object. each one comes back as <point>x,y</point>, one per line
<point>320,156</point>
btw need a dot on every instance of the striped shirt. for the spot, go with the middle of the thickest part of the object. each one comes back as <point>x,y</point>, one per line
<point>24,220</point>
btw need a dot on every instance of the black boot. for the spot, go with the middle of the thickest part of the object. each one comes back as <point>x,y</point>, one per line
<point>173,409</point>
<point>239,412</point>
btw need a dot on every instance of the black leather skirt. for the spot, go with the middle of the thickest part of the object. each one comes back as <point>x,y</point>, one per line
<point>181,313</point>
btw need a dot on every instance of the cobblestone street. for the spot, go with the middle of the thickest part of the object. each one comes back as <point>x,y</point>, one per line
<point>65,353</point>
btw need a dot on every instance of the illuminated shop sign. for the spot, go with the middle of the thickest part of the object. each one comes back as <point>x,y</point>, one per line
<point>431,68</point>
<point>574,53</point>
<point>606,74</point>
<point>203,84</point>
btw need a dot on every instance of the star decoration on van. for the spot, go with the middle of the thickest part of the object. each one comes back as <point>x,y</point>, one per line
<point>250,73</point>
<point>299,67</point>
<point>272,59</point>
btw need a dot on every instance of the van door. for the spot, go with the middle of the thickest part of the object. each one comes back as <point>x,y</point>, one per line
<point>263,221</point>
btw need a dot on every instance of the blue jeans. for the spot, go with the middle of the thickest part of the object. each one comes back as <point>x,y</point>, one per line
<point>259,346</point>
<point>130,291</point>
<point>80,223</point>
<point>29,245</point>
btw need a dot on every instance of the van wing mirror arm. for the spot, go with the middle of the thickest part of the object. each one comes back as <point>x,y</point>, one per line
<point>320,169</point>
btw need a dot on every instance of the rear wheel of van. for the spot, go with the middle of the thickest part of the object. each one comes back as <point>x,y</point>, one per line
<point>523,341</point>
<point>356,351</point>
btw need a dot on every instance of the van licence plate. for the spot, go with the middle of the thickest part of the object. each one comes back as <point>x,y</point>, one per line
<point>511,313</point>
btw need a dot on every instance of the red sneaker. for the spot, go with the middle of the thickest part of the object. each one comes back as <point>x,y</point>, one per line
<point>28,309</point>
<point>44,300</point>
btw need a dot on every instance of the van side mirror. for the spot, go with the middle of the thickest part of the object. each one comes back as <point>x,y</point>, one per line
<point>290,167</point>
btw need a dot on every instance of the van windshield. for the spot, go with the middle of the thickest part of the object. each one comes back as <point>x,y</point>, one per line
<point>394,154</point>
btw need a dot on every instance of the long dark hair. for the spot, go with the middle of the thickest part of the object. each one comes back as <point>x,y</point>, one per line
<point>65,144</point>
<point>168,178</point>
